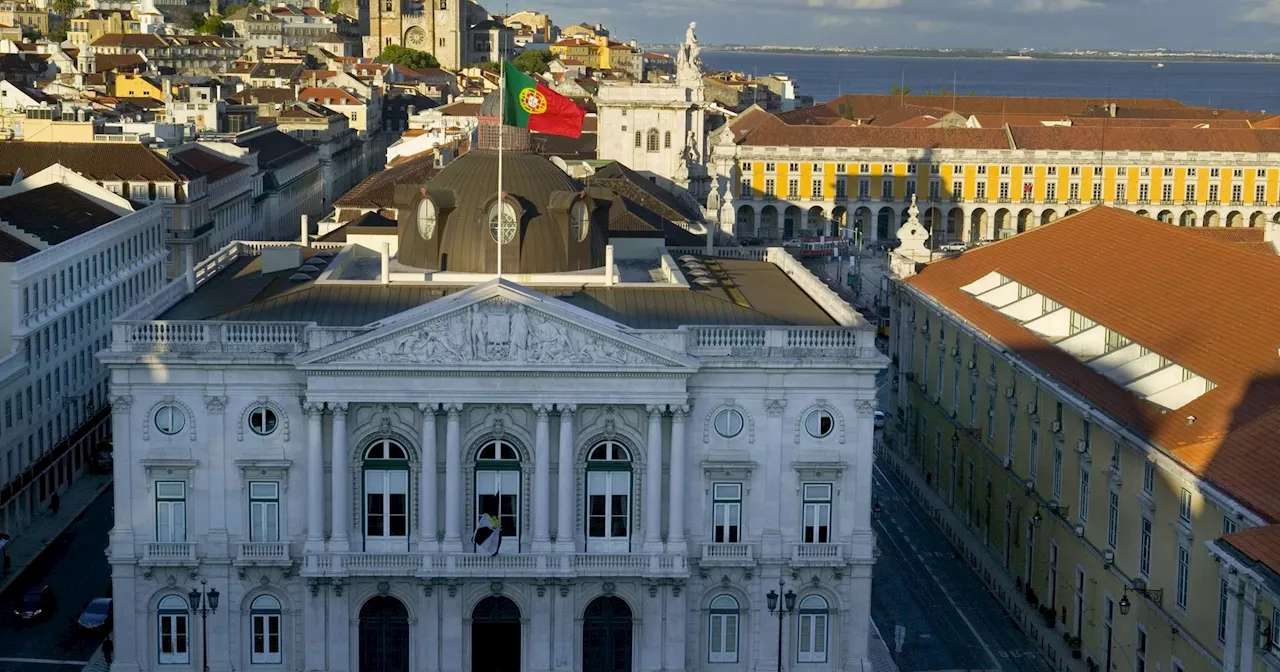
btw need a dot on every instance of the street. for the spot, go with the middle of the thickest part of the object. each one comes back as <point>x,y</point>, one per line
<point>75,566</point>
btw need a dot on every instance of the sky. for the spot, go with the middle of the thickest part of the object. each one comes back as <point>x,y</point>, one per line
<point>1228,25</point>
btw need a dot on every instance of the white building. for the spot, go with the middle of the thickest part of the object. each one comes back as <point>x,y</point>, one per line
<point>73,256</point>
<point>658,129</point>
<point>314,432</point>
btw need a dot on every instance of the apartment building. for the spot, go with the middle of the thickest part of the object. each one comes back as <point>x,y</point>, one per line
<point>1087,402</point>
<point>73,256</point>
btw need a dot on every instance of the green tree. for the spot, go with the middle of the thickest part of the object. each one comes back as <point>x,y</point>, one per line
<point>184,17</point>
<point>212,25</point>
<point>533,61</point>
<point>409,58</point>
<point>900,90</point>
<point>335,6</point>
<point>490,66</point>
<point>64,7</point>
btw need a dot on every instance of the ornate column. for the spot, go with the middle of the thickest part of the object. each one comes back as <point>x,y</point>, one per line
<point>676,496</point>
<point>865,442</point>
<point>453,478</point>
<point>542,479</point>
<point>339,540</point>
<point>653,482</point>
<point>565,492</point>
<point>315,477</point>
<point>430,534</point>
<point>121,424</point>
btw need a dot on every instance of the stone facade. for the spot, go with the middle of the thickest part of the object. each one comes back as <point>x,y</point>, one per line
<point>638,477</point>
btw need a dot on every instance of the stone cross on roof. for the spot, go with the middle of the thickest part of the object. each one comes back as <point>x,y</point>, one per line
<point>912,233</point>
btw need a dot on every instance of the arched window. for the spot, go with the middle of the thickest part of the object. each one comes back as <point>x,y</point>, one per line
<point>722,635</point>
<point>386,497</point>
<point>173,635</point>
<point>608,498</point>
<point>498,490</point>
<point>666,140</point>
<point>426,219</point>
<point>651,142</point>
<point>506,231</point>
<point>264,613</point>
<point>637,139</point>
<point>579,221</point>
<point>812,625</point>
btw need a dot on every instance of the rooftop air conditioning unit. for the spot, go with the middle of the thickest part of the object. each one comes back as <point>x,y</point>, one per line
<point>1031,408</point>
<point>1056,427</point>
<point>1082,446</point>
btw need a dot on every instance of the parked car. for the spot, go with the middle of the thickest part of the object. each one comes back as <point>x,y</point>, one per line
<point>96,616</point>
<point>747,241</point>
<point>37,603</point>
<point>878,420</point>
<point>955,246</point>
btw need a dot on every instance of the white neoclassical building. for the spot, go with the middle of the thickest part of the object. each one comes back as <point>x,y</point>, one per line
<point>661,438</point>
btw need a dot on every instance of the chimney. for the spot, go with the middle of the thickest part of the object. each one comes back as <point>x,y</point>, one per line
<point>306,231</point>
<point>386,263</point>
<point>608,265</point>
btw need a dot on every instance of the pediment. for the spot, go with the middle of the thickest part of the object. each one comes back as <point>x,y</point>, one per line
<point>498,325</point>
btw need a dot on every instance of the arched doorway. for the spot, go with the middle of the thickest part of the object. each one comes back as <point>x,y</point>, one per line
<point>815,224</point>
<point>1165,216</point>
<point>769,223</point>
<point>1235,219</point>
<point>495,635</point>
<point>606,636</point>
<point>862,218</point>
<point>1258,220</point>
<point>978,225</point>
<point>790,222</point>
<point>384,635</point>
<point>1188,218</point>
<point>839,215</point>
<point>746,224</point>
<point>1026,219</point>
<point>1047,217</point>
<point>932,219</point>
<point>1142,213</point>
<point>1071,211</point>
<point>1211,218</point>
<point>884,220</point>
<point>1002,224</point>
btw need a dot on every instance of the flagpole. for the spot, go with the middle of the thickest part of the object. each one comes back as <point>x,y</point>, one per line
<point>502,207</point>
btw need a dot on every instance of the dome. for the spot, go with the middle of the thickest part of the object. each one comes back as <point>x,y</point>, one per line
<point>450,223</point>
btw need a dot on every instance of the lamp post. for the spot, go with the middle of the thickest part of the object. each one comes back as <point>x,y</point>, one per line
<point>204,602</point>
<point>781,610</point>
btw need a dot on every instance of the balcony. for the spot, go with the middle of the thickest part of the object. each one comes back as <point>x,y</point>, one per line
<point>1237,201</point>
<point>1260,202</point>
<point>516,565</point>
<point>1144,201</point>
<point>169,554</point>
<point>727,555</point>
<point>263,554</point>
<point>818,555</point>
<point>1214,201</point>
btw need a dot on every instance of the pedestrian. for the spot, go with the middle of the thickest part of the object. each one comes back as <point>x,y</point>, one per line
<point>55,502</point>
<point>108,648</point>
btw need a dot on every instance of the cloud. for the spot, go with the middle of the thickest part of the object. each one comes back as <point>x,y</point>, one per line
<point>1260,11</point>
<point>855,4</point>
<point>928,26</point>
<point>1055,5</point>
<point>842,20</point>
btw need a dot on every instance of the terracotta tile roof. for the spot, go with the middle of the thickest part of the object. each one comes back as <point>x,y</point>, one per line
<point>1261,544</point>
<point>773,133</point>
<point>131,40</point>
<point>864,106</point>
<point>106,161</point>
<point>213,166</point>
<point>378,190</point>
<point>104,62</point>
<point>1161,123</point>
<point>816,115</point>
<point>328,95</point>
<point>1146,139</point>
<point>1163,288</point>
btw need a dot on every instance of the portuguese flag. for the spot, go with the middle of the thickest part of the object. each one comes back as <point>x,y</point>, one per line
<point>531,104</point>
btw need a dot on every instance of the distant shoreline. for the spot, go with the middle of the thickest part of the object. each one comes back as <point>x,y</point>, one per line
<point>985,55</point>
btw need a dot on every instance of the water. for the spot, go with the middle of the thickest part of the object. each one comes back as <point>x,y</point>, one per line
<point>1235,85</point>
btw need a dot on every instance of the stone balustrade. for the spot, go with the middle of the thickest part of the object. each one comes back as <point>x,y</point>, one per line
<point>476,565</point>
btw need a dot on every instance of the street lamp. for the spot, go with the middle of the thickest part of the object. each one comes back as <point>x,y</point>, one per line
<point>1124,602</point>
<point>787,607</point>
<point>204,602</point>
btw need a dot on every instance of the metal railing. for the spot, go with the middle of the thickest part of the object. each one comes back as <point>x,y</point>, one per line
<point>478,565</point>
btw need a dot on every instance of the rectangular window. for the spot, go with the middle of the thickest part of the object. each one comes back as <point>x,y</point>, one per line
<point>1184,506</point>
<point>608,506</point>
<point>266,637</point>
<point>1166,192</point>
<point>935,188</point>
<point>1004,191</point>
<point>1228,526</point>
<point>1149,478</point>
<point>1057,471</point>
<point>174,638</point>
<point>793,188</point>
<point>770,167</point>
<point>864,189</point>
<point>793,167</point>
<point>723,632</point>
<point>842,188</point>
<point>1121,196</point>
<point>817,513</point>
<point>1237,193</point>
<point>957,190</point>
<point>726,513</point>
<point>1223,587</point>
<point>1084,495</point>
<point>1051,193</point>
<point>1113,519</point>
<point>1140,652</point>
<point>812,630</point>
<point>1073,192</point>
<point>1184,574</point>
<point>980,191</point>
<point>1260,194</point>
<point>769,189</point>
<point>1144,548</point>
<point>1191,193</point>
<point>886,190</point>
<point>817,190</point>
<point>171,511</point>
<point>744,188</point>
<point>911,189</point>
<point>1097,191</point>
<point>264,511</point>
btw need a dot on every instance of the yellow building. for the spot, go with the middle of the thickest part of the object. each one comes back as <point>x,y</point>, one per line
<point>811,171</point>
<point>27,17</point>
<point>584,50</point>
<point>98,22</point>
<point>130,85</point>
<point>1088,407</point>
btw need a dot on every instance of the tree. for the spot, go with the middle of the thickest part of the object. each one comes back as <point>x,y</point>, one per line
<point>900,90</point>
<point>409,58</point>
<point>335,6</point>
<point>183,17</point>
<point>489,66</point>
<point>64,7</point>
<point>533,61</point>
<point>212,25</point>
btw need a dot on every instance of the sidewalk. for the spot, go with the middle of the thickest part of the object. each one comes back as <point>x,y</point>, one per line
<point>97,662</point>
<point>878,652</point>
<point>40,531</point>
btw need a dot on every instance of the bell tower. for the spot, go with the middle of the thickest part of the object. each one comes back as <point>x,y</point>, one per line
<point>448,18</point>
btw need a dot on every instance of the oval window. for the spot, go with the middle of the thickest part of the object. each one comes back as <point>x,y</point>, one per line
<point>426,219</point>
<point>728,423</point>
<point>579,221</point>
<point>262,420</point>
<point>170,419</point>
<point>505,231</point>
<point>819,424</point>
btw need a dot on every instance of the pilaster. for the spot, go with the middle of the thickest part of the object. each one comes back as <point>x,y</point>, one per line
<point>453,479</point>
<point>340,467</point>
<point>653,482</point>
<point>122,533</point>
<point>341,626</point>
<point>215,407</point>
<point>771,535</point>
<point>315,477</point>
<point>676,500</point>
<point>541,630</point>
<point>542,480</point>
<point>430,529</point>
<point>566,495</point>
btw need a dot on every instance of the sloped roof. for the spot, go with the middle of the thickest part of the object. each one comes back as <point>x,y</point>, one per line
<point>54,213</point>
<point>378,190</point>
<point>1095,138</point>
<point>106,161</point>
<point>1162,287</point>
<point>773,133</point>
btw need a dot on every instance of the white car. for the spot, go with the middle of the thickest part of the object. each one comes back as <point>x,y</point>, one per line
<point>953,247</point>
<point>878,420</point>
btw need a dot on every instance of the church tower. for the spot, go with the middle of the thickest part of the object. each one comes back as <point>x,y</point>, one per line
<point>435,26</point>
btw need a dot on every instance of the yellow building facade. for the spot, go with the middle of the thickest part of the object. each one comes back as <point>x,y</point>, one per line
<point>95,23</point>
<point>969,188</point>
<point>1114,541</point>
